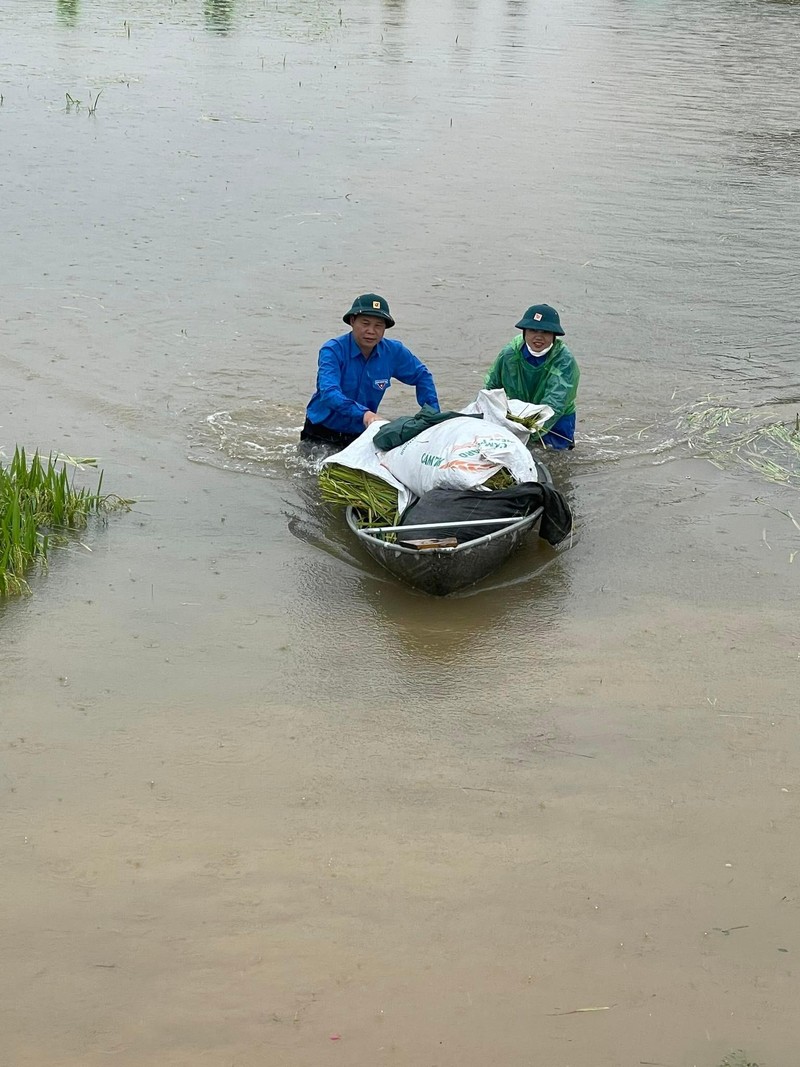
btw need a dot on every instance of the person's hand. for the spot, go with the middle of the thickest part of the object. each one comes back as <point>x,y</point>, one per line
<point>369,417</point>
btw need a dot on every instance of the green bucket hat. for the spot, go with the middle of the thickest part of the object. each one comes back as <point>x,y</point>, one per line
<point>369,304</point>
<point>541,317</point>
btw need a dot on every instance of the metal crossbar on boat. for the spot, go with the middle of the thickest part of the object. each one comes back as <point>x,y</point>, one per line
<point>507,521</point>
<point>443,570</point>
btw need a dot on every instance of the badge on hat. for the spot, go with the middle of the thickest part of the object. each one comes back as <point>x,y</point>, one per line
<point>377,304</point>
<point>537,317</point>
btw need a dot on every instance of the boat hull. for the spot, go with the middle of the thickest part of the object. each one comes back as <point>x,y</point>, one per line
<point>441,571</point>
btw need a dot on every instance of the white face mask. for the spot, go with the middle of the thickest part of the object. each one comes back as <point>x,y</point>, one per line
<point>538,355</point>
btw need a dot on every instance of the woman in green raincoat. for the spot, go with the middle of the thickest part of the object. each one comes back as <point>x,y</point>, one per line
<point>538,368</point>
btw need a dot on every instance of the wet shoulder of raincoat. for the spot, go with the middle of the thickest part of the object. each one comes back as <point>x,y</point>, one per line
<point>555,382</point>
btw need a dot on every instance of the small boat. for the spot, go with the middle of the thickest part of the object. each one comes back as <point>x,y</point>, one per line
<point>442,570</point>
<point>438,564</point>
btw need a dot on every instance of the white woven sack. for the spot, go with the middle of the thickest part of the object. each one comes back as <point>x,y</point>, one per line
<point>459,454</point>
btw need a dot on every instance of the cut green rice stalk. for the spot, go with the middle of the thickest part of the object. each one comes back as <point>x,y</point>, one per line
<point>374,498</point>
<point>730,434</point>
<point>530,422</point>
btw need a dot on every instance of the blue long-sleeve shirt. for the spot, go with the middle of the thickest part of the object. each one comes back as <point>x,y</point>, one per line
<point>348,385</point>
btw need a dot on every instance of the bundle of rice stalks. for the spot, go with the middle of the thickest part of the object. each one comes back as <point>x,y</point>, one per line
<point>726,433</point>
<point>38,505</point>
<point>530,423</point>
<point>374,498</point>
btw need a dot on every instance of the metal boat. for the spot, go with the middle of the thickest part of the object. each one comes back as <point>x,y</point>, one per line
<point>443,570</point>
<point>440,570</point>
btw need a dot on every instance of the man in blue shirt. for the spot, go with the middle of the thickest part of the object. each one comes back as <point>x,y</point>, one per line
<point>354,372</point>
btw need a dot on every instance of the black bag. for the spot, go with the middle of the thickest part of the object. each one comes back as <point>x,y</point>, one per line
<point>460,505</point>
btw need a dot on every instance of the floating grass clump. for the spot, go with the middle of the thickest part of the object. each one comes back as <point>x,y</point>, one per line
<point>39,505</point>
<point>772,448</point>
<point>376,499</point>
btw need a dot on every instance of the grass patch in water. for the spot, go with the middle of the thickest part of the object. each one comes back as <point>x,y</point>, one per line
<point>39,506</point>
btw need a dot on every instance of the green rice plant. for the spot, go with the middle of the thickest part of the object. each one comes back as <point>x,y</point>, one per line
<point>39,506</point>
<point>374,498</point>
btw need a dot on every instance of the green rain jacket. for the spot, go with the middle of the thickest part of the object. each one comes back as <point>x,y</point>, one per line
<point>554,383</point>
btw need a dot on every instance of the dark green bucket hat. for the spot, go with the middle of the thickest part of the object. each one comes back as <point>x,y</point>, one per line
<point>369,304</point>
<point>541,317</point>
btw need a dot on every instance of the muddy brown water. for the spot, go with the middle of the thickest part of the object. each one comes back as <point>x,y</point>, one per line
<point>260,804</point>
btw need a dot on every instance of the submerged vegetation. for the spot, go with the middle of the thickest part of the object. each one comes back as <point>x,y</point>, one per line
<point>738,1059</point>
<point>39,506</point>
<point>73,103</point>
<point>770,447</point>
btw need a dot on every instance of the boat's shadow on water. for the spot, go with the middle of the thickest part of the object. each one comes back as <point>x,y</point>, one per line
<point>477,628</point>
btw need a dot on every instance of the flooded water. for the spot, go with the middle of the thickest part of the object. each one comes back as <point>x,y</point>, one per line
<point>260,804</point>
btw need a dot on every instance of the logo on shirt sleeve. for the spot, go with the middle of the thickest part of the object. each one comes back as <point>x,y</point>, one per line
<point>381,383</point>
